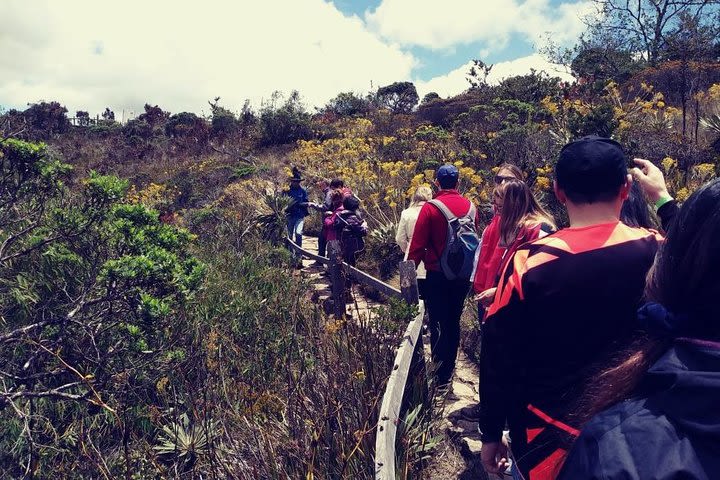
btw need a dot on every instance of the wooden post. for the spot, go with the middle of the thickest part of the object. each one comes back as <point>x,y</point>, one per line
<point>416,389</point>
<point>408,282</point>
<point>334,252</point>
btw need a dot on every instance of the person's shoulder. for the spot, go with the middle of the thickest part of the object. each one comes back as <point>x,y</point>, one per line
<point>429,207</point>
<point>610,423</point>
<point>640,232</point>
<point>540,226</point>
<point>633,437</point>
<point>607,444</point>
<point>552,237</point>
<point>648,240</point>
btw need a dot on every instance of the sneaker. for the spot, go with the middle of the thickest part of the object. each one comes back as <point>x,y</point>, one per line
<point>471,413</point>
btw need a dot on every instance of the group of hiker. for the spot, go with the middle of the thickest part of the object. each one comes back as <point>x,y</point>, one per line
<point>600,351</point>
<point>341,217</point>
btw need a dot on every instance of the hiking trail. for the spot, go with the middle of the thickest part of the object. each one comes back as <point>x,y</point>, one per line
<point>458,455</point>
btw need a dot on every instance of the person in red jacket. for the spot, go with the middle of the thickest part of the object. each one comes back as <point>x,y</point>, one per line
<point>522,219</point>
<point>444,298</point>
<point>491,253</point>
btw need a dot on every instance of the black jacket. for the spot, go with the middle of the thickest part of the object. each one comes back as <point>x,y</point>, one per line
<point>671,431</point>
<point>667,214</point>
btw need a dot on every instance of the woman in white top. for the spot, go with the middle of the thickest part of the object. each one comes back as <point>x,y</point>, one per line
<point>406,226</point>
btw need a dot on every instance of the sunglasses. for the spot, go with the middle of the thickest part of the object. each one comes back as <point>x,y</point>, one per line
<point>500,179</point>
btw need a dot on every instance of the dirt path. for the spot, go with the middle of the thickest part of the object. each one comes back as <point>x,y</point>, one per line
<point>459,455</point>
<point>358,307</point>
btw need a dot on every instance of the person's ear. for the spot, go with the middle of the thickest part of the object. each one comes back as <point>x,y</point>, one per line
<point>625,189</point>
<point>562,198</point>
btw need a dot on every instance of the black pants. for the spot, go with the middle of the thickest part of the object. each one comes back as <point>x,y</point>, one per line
<point>322,243</point>
<point>444,300</point>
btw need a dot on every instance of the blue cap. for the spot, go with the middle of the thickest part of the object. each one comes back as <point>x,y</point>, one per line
<point>447,176</point>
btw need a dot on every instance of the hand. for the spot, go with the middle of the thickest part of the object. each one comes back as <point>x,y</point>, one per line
<point>494,457</point>
<point>651,179</point>
<point>487,297</point>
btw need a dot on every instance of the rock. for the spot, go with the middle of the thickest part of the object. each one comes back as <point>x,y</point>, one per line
<point>470,447</point>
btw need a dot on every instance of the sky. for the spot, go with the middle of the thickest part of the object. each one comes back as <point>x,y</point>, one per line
<point>179,54</point>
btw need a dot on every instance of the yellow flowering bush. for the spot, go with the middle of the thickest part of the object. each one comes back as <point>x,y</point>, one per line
<point>155,195</point>
<point>385,184</point>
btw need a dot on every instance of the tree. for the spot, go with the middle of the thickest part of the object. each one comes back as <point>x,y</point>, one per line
<point>189,130</point>
<point>398,97</point>
<point>429,97</point>
<point>108,115</point>
<point>83,118</point>
<point>691,44</point>
<point>223,122</point>
<point>186,125</point>
<point>91,291</point>
<point>530,88</point>
<point>285,123</point>
<point>478,74</point>
<point>596,66</point>
<point>642,26</point>
<point>46,119</point>
<point>348,104</point>
<point>154,116</point>
<point>444,111</point>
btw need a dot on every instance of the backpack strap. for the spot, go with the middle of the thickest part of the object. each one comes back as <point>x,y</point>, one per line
<point>471,213</point>
<point>449,216</point>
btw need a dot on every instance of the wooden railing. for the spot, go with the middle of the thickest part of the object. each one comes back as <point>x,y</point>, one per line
<point>409,360</point>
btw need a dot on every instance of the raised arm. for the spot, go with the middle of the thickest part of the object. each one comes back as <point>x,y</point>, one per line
<point>652,182</point>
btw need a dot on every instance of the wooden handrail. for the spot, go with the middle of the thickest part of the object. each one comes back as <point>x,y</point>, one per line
<point>409,361</point>
<point>360,276</point>
<point>390,409</point>
<point>370,281</point>
<point>310,255</point>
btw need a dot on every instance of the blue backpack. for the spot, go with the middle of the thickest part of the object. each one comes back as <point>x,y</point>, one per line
<point>459,258</point>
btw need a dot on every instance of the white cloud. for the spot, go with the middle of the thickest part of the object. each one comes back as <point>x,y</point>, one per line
<point>179,54</point>
<point>436,26</point>
<point>455,82</point>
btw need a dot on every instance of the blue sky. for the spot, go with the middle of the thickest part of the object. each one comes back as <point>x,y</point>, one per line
<point>434,63</point>
<point>179,54</point>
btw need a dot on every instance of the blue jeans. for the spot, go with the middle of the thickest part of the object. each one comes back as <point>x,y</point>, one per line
<point>515,472</point>
<point>295,230</point>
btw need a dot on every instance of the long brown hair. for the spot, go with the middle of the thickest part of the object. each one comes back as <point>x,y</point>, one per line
<point>520,208</point>
<point>685,282</point>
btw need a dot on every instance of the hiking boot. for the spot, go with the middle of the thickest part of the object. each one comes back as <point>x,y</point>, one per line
<point>471,413</point>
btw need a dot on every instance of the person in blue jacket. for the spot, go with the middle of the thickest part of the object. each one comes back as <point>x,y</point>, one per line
<point>297,211</point>
<point>663,420</point>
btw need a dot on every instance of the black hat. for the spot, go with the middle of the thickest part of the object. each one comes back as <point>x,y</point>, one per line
<point>296,175</point>
<point>591,165</point>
